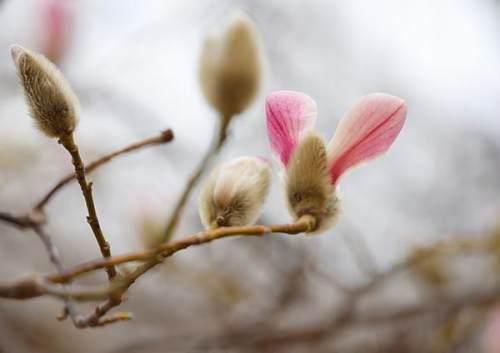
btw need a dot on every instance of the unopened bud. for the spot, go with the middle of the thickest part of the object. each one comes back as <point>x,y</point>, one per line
<point>52,103</point>
<point>308,187</point>
<point>235,192</point>
<point>230,68</point>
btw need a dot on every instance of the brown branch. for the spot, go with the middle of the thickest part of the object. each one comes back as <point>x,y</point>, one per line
<point>97,317</point>
<point>168,249</point>
<point>36,286</point>
<point>156,256</point>
<point>55,259</point>
<point>115,300</point>
<point>218,141</point>
<point>69,144</point>
<point>32,288</point>
<point>164,137</point>
<point>23,222</point>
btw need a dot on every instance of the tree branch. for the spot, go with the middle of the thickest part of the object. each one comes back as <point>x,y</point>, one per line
<point>36,286</point>
<point>28,288</point>
<point>218,141</point>
<point>164,137</point>
<point>168,249</point>
<point>69,144</point>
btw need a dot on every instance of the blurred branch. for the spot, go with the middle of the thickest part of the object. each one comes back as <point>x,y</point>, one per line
<point>55,258</point>
<point>21,222</point>
<point>360,251</point>
<point>36,286</point>
<point>263,337</point>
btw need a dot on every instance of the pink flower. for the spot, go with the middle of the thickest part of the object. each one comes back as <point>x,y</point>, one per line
<point>312,168</point>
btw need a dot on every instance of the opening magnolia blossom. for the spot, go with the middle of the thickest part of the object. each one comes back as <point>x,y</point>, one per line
<point>313,169</point>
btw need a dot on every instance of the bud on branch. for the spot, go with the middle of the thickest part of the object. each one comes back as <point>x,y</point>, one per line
<point>234,193</point>
<point>312,168</point>
<point>52,103</point>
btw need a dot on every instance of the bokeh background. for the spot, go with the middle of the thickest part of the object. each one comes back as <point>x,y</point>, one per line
<point>134,66</point>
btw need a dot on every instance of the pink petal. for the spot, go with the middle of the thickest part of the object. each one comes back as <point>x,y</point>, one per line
<point>367,131</point>
<point>289,116</point>
<point>56,25</point>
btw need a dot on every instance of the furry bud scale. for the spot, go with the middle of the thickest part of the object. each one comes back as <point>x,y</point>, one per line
<point>234,193</point>
<point>52,103</point>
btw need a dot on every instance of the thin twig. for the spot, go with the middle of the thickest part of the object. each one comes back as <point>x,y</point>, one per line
<point>217,142</point>
<point>36,286</point>
<point>97,317</point>
<point>362,256</point>
<point>22,222</point>
<point>164,137</point>
<point>219,139</point>
<point>69,144</point>
<point>55,259</point>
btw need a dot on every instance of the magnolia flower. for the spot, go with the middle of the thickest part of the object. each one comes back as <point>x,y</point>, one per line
<point>53,105</point>
<point>230,68</point>
<point>313,169</point>
<point>234,193</point>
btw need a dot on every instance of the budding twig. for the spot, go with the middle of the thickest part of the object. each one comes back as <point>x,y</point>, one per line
<point>29,288</point>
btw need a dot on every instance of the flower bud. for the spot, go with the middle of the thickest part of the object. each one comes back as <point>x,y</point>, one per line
<point>235,192</point>
<point>230,68</point>
<point>53,105</point>
<point>308,187</point>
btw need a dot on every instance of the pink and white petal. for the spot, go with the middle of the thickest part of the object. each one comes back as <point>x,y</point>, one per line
<point>365,132</point>
<point>290,115</point>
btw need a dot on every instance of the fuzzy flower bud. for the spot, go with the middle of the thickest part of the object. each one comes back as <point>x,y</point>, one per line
<point>230,68</point>
<point>235,192</point>
<point>313,168</point>
<point>52,103</point>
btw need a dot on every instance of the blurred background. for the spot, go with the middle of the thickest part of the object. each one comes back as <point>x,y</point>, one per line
<point>134,66</point>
